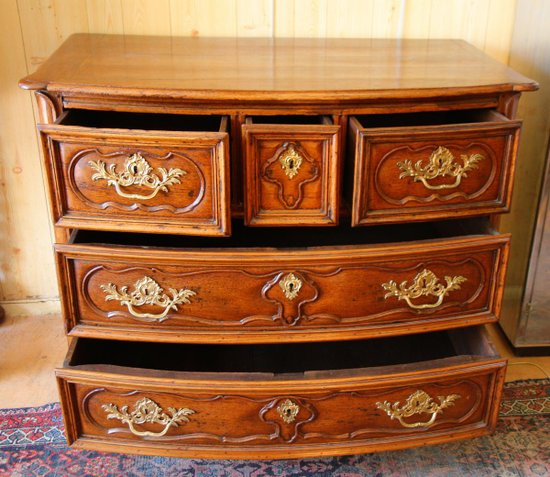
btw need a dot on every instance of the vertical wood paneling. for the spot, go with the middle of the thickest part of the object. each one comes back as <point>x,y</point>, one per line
<point>387,18</point>
<point>529,54</point>
<point>254,18</point>
<point>105,16</point>
<point>465,19</point>
<point>27,268</point>
<point>416,22</point>
<point>353,19</point>
<point>46,23</point>
<point>500,25</point>
<point>32,29</point>
<point>303,19</point>
<point>203,17</point>
<point>146,17</point>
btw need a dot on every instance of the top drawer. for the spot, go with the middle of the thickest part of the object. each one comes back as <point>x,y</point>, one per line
<point>424,166</point>
<point>139,172</point>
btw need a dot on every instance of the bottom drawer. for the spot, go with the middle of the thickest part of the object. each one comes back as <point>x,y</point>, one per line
<point>280,401</point>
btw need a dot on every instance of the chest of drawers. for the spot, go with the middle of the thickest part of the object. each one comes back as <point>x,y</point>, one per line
<point>272,248</point>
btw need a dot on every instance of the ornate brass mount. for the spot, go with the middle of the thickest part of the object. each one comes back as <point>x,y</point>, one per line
<point>441,163</point>
<point>290,160</point>
<point>417,403</point>
<point>137,172</point>
<point>147,292</point>
<point>288,410</point>
<point>291,285</point>
<point>148,411</point>
<point>424,284</point>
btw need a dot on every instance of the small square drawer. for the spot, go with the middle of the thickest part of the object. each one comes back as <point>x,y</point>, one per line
<point>334,283</point>
<point>139,172</point>
<point>423,166</point>
<point>280,401</point>
<point>292,172</point>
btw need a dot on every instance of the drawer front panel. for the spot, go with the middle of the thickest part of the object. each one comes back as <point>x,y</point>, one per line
<point>291,174</point>
<point>293,298</point>
<point>403,174</point>
<point>170,183</point>
<point>274,419</point>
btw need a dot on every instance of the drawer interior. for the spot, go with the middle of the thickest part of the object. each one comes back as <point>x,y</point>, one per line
<point>283,358</point>
<point>289,119</point>
<point>434,118</point>
<point>300,238</point>
<point>144,121</point>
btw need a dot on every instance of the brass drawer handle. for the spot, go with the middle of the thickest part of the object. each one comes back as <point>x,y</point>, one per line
<point>424,284</point>
<point>288,410</point>
<point>137,172</point>
<point>290,160</point>
<point>148,411</point>
<point>147,292</point>
<point>440,164</point>
<point>417,403</point>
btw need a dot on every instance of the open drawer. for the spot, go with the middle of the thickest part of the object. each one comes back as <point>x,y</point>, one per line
<point>421,166</point>
<point>263,286</point>
<point>292,171</point>
<point>139,172</point>
<point>280,401</point>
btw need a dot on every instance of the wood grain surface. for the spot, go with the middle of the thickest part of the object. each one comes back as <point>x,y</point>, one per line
<point>214,69</point>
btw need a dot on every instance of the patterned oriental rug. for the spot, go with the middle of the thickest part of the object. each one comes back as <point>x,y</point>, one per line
<point>32,444</point>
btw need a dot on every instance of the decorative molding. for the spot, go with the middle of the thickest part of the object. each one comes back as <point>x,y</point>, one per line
<point>81,155</point>
<point>440,195</point>
<point>283,429</point>
<point>291,291</point>
<point>137,172</point>
<point>441,163</point>
<point>287,312</point>
<point>290,188</point>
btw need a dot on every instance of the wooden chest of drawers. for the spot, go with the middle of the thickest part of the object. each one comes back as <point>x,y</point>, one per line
<point>274,248</point>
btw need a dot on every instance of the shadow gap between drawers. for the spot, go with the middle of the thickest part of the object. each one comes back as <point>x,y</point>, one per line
<point>271,358</point>
<point>298,238</point>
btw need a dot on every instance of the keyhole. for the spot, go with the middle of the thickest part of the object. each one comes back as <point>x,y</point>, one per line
<point>291,163</point>
<point>288,413</point>
<point>290,287</point>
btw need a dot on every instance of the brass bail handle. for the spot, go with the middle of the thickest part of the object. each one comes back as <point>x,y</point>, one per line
<point>424,283</point>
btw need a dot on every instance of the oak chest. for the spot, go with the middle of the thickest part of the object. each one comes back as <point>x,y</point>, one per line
<point>272,248</point>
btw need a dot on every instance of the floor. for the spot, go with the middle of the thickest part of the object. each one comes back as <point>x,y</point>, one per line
<point>31,347</point>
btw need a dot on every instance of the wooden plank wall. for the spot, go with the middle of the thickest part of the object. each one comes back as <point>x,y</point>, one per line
<point>31,29</point>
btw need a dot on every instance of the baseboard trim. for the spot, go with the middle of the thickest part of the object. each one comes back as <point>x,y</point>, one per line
<point>32,307</point>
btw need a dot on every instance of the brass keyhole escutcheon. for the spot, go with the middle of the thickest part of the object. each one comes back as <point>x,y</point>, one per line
<point>288,410</point>
<point>290,160</point>
<point>291,285</point>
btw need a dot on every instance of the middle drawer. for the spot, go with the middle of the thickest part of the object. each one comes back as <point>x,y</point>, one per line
<point>292,170</point>
<point>194,290</point>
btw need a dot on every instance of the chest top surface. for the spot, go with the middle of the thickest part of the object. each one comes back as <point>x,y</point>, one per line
<point>252,69</point>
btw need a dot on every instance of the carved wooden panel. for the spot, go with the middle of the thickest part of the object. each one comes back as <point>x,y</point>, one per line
<point>245,415</point>
<point>291,174</point>
<point>190,296</point>
<point>419,173</point>
<point>136,181</point>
